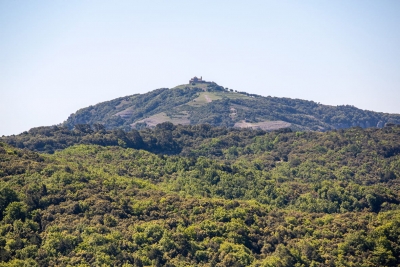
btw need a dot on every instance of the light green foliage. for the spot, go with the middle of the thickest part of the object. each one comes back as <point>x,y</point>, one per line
<point>224,198</point>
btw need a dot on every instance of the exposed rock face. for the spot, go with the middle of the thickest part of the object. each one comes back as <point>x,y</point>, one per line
<point>380,124</point>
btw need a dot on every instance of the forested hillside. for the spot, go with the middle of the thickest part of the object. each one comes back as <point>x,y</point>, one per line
<point>200,196</point>
<point>219,106</point>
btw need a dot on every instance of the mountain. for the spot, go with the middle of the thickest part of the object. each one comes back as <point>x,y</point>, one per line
<point>227,197</point>
<point>206,102</point>
<point>141,181</point>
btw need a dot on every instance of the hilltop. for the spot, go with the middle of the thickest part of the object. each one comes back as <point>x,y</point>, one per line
<point>207,102</point>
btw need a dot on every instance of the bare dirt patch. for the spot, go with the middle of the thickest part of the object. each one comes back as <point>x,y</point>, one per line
<point>208,99</point>
<point>126,113</point>
<point>152,121</point>
<point>264,125</point>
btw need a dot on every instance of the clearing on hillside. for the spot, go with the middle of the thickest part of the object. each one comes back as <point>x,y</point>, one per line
<point>204,98</point>
<point>152,121</point>
<point>263,125</point>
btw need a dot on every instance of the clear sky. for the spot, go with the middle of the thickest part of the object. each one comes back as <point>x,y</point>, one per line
<point>59,56</point>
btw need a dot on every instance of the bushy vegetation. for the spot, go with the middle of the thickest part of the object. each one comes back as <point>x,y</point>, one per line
<point>139,106</point>
<point>303,115</point>
<point>164,138</point>
<point>201,196</point>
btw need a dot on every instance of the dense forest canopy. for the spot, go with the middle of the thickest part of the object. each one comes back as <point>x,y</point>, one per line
<point>199,195</point>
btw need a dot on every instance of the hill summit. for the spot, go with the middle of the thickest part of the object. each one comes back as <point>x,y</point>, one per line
<point>202,102</point>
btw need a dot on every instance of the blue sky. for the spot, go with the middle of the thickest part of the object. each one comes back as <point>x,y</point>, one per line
<point>59,56</point>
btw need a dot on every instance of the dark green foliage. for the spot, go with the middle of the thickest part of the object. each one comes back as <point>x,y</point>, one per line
<point>7,196</point>
<point>215,113</point>
<point>50,139</point>
<point>164,138</point>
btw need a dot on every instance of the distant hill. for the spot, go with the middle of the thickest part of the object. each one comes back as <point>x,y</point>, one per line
<point>200,103</point>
